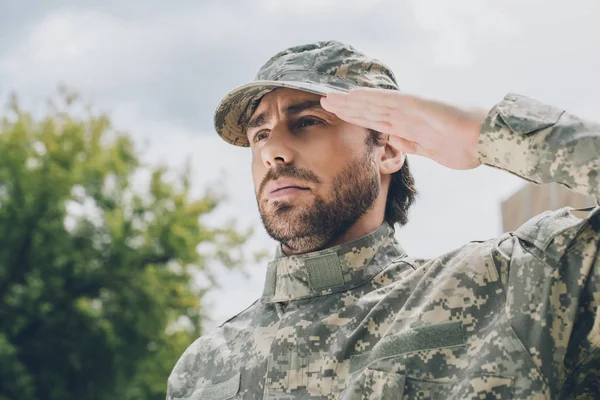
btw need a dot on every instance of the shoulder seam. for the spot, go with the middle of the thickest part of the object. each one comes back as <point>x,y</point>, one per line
<point>402,260</point>
<point>236,315</point>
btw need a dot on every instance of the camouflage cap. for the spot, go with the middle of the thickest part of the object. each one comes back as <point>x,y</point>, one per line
<point>319,68</point>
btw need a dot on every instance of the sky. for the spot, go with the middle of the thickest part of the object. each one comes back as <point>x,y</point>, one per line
<point>160,68</point>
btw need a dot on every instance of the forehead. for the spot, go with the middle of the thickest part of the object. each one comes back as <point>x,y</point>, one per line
<point>282,97</point>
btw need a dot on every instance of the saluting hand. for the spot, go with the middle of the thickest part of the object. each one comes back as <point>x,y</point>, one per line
<point>444,133</point>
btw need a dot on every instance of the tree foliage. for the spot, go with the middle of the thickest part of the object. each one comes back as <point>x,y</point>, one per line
<point>97,292</point>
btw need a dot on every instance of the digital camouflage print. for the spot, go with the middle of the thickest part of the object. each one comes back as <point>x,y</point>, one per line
<point>514,317</point>
<point>320,68</point>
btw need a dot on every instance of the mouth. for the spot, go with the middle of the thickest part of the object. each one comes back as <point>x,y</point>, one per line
<point>286,191</point>
<point>289,187</point>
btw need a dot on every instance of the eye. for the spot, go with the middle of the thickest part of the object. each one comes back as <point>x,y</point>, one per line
<point>259,136</point>
<point>308,121</point>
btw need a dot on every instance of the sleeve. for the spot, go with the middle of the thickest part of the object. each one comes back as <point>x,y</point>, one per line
<point>553,278</point>
<point>542,144</point>
<point>552,284</point>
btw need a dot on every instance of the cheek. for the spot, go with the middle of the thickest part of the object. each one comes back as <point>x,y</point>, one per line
<point>258,173</point>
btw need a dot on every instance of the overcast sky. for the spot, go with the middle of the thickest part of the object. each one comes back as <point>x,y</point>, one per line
<point>160,68</point>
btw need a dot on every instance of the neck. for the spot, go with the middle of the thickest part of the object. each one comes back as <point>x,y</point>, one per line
<point>362,227</point>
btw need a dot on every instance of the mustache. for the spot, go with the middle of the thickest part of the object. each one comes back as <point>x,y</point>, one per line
<point>287,171</point>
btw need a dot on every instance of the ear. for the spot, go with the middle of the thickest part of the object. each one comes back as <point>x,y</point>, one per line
<point>391,159</point>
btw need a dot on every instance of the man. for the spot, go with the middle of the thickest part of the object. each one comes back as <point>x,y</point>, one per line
<point>345,313</point>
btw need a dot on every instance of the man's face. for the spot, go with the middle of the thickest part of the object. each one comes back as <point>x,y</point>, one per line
<point>314,176</point>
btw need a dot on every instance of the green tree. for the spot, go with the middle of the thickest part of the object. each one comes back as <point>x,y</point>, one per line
<point>97,292</point>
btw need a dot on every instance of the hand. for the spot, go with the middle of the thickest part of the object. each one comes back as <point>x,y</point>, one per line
<point>444,133</point>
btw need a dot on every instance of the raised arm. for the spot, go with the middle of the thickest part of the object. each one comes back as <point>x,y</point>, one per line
<point>537,142</point>
<point>542,144</point>
<point>554,265</point>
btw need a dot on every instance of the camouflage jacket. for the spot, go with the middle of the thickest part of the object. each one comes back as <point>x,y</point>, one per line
<point>512,317</point>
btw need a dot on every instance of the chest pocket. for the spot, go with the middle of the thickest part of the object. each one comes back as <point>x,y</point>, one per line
<point>382,385</point>
<point>375,385</point>
<point>427,337</point>
<point>217,391</point>
<point>423,363</point>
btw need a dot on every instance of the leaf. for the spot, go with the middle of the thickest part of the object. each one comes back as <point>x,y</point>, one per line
<point>96,273</point>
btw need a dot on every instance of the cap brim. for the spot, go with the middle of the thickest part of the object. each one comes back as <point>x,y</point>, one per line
<point>232,110</point>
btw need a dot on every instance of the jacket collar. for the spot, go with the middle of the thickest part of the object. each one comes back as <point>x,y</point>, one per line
<point>330,270</point>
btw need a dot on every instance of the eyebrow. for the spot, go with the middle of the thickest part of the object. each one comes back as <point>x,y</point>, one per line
<point>291,110</point>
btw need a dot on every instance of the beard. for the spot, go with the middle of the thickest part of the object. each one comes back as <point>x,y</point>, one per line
<point>310,227</point>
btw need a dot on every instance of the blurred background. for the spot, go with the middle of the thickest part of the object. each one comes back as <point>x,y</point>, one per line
<point>128,227</point>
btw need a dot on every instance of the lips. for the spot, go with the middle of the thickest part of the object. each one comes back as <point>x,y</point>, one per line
<point>288,187</point>
<point>282,187</point>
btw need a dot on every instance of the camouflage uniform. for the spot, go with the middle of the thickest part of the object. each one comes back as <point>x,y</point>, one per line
<point>512,317</point>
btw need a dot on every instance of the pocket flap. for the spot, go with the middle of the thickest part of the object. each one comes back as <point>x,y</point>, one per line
<point>373,384</point>
<point>543,228</point>
<point>525,115</point>
<point>425,337</point>
<point>383,385</point>
<point>218,391</point>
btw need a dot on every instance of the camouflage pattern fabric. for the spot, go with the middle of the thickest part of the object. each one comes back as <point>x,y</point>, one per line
<point>318,68</point>
<point>514,317</point>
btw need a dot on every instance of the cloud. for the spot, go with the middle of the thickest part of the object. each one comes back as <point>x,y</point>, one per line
<point>165,62</point>
<point>160,69</point>
<point>177,64</point>
<point>456,25</point>
<point>91,50</point>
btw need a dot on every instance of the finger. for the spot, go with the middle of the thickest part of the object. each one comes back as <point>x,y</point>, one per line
<point>379,97</point>
<point>380,101</point>
<point>332,105</point>
<point>338,102</point>
<point>396,104</point>
<point>397,136</point>
<point>368,112</point>
<point>366,115</point>
<point>375,124</point>
<point>412,147</point>
<point>336,98</point>
<point>381,123</point>
<point>404,145</point>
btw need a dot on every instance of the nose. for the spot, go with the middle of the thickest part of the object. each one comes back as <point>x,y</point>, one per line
<point>277,148</point>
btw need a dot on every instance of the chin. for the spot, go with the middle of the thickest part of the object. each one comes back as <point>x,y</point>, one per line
<point>282,209</point>
<point>286,221</point>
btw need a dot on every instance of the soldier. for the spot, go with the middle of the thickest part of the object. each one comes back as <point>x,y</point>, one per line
<point>345,312</point>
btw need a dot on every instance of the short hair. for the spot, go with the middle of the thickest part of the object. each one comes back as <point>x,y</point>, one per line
<point>402,192</point>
